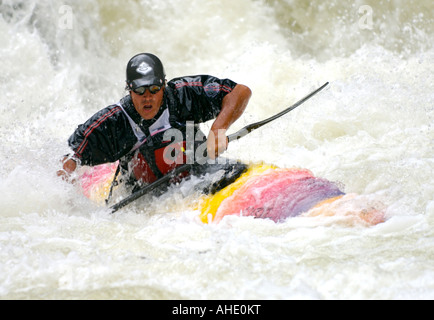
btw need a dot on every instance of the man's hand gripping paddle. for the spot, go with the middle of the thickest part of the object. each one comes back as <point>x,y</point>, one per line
<point>187,167</point>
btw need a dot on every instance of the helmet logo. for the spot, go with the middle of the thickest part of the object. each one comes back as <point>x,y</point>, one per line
<point>144,69</point>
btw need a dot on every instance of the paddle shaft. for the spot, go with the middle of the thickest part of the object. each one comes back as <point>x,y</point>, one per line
<point>187,167</point>
<point>247,129</point>
<point>139,193</point>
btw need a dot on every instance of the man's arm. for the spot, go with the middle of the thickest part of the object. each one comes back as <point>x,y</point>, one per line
<point>103,138</point>
<point>233,106</point>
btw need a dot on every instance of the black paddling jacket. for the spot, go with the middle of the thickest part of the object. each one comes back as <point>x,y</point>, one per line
<point>118,132</point>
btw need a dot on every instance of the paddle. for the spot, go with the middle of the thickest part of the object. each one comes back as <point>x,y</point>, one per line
<point>247,129</point>
<point>187,167</point>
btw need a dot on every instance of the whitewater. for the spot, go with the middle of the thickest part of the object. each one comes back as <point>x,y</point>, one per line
<point>370,131</point>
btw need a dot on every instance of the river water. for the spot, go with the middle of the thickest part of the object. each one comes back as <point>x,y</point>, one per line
<point>371,131</point>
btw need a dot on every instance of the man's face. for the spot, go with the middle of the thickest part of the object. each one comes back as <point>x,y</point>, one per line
<point>147,104</point>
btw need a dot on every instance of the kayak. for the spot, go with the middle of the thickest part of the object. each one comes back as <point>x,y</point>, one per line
<point>96,181</point>
<point>261,191</point>
<point>269,192</point>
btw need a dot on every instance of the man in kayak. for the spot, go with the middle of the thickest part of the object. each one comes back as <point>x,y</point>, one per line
<point>135,130</point>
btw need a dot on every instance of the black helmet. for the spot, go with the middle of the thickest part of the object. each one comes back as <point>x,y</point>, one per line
<point>144,69</point>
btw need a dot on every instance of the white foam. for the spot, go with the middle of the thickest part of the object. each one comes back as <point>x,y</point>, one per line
<point>370,130</point>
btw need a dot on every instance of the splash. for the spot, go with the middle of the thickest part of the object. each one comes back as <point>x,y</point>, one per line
<point>372,130</point>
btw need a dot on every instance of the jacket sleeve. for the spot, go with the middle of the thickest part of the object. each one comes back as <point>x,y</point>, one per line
<point>200,97</point>
<point>101,139</point>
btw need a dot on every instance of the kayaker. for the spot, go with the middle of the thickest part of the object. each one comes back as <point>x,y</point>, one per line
<point>133,130</point>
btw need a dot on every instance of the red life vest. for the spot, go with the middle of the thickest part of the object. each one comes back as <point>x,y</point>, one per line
<point>167,158</point>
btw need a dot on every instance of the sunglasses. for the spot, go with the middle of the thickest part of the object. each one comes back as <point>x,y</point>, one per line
<point>152,89</point>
